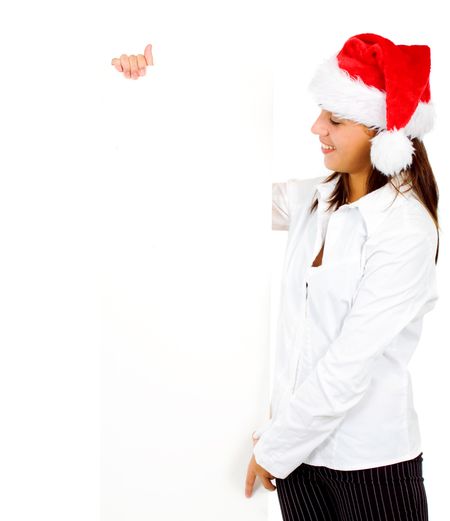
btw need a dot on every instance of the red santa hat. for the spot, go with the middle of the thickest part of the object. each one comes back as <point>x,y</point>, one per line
<point>384,86</point>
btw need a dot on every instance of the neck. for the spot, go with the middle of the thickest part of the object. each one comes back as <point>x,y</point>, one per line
<point>357,186</point>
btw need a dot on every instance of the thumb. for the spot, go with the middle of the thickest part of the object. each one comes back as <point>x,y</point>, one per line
<point>148,54</point>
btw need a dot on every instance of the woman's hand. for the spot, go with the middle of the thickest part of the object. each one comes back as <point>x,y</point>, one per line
<point>134,66</point>
<point>253,470</point>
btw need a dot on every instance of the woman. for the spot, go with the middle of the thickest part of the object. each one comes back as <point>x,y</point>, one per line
<point>343,440</point>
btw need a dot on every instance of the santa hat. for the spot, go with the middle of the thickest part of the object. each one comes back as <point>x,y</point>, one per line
<point>383,86</point>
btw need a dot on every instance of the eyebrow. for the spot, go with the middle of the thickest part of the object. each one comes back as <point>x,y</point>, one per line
<point>333,115</point>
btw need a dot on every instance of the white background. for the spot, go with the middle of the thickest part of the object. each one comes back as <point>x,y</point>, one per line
<point>139,276</point>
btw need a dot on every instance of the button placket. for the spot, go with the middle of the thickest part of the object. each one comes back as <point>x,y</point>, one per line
<point>305,342</point>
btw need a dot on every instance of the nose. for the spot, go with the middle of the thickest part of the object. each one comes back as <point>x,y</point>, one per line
<point>320,127</point>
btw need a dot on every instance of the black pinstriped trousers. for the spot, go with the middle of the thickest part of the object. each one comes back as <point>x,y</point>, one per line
<point>389,493</point>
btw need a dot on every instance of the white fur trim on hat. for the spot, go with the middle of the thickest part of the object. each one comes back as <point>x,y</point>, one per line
<point>422,120</point>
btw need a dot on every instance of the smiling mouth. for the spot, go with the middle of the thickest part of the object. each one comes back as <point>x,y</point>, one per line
<point>327,150</point>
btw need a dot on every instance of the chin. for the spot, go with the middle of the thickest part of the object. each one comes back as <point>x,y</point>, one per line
<point>329,162</point>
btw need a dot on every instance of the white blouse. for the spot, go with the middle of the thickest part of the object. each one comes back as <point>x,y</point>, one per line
<point>347,329</point>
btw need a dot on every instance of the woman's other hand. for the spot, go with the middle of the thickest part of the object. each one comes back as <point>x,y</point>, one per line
<point>134,66</point>
<point>254,470</point>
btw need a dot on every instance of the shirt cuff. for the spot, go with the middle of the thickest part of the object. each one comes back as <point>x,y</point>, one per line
<point>266,462</point>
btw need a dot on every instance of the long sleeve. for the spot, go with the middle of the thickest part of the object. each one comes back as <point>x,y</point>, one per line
<point>280,207</point>
<point>289,196</point>
<point>396,287</point>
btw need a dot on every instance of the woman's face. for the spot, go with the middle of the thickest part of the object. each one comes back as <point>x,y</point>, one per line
<point>351,141</point>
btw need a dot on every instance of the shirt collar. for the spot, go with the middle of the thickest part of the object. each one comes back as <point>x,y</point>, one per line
<point>372,206</point>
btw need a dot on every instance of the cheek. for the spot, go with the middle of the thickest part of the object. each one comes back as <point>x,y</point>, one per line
<point>364,147</point>
<point>342,143</point>
<point>341,137</point>
<point>355,146</point>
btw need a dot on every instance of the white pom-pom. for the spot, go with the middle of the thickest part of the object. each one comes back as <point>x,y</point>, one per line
<point>391,151</point>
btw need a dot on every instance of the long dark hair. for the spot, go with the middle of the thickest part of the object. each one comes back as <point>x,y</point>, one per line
<point>419,174</point>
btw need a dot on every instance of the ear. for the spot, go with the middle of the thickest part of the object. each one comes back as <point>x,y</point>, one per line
<point>371,132</point>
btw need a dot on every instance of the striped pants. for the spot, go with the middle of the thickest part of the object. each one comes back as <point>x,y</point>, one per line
<point>390,493</point>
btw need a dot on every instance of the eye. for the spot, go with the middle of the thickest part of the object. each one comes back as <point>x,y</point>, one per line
<point>334,122</point>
